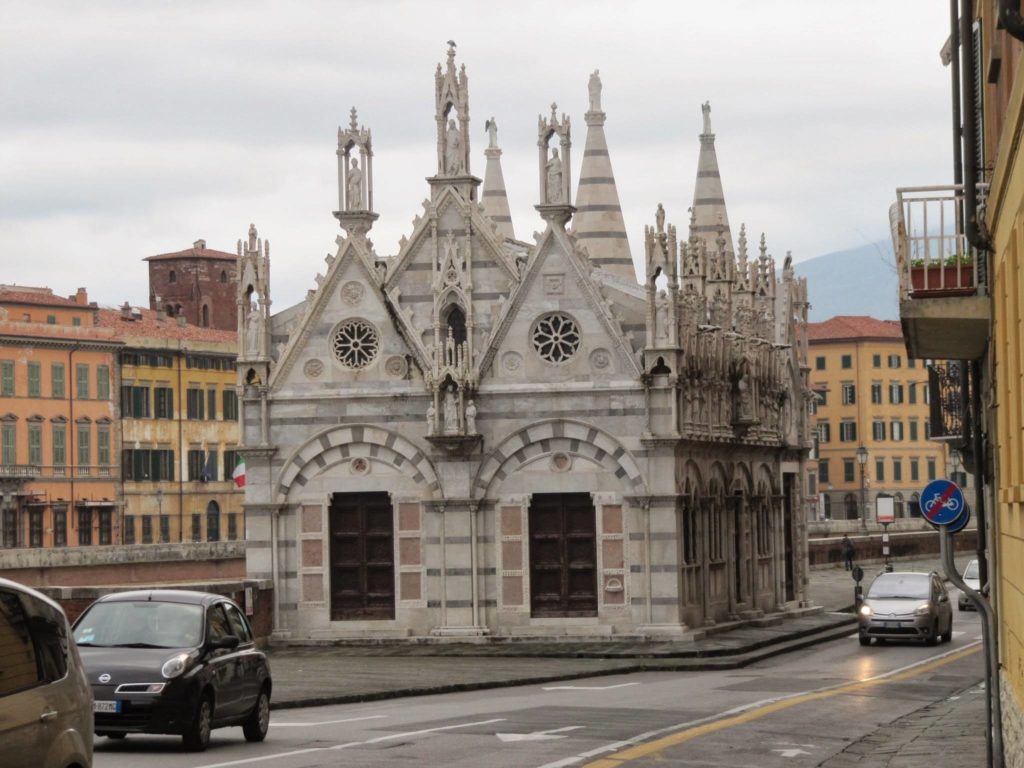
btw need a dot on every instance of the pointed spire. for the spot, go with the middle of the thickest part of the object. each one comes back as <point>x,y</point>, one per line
<point>495,199</point>
<point>598,222</point>
<point>710,216</point>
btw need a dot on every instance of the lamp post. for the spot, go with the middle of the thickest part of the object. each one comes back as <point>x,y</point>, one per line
<point>862,459</point>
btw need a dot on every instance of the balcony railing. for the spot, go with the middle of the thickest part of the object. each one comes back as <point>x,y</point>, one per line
<point>19,471</point>
<point>933,256</point>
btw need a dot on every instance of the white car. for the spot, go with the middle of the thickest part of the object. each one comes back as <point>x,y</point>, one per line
<point>963,602</point>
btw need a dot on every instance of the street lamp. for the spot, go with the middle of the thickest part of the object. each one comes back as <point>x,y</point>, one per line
<point>862,459</point>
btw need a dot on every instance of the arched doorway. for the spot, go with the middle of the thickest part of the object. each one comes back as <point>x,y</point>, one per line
<point>850,505</point>
<point>213,521</point>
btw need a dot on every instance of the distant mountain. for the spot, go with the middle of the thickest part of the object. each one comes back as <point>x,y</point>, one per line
<point>860,281</point>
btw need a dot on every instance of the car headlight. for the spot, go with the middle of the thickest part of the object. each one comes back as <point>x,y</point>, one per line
<point>175,666</point>
<point>865,610</point>
<point>923,609</point>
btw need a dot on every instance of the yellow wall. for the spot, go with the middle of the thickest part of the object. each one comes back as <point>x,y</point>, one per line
<point>863,374</point>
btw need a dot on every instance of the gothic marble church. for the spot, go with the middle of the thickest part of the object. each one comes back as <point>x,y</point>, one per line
<point>484,436</point>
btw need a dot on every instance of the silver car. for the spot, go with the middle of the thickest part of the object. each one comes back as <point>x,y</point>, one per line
<point>963,602</point>
<point>45,701</point>
<point>906,606</point>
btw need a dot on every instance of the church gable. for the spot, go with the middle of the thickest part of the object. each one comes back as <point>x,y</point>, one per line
<point>557,326</point>
<point>348,337</point>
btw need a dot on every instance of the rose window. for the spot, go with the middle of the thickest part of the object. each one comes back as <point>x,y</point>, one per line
<point>556,338</point>
<point>355,344</point>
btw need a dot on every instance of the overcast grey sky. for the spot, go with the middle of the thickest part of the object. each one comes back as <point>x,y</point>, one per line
<point>133,128</point>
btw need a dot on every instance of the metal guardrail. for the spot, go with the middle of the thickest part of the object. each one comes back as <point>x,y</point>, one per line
<point>933,257</point>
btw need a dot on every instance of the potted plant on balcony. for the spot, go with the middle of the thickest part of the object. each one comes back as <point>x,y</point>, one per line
<point>949,276</point>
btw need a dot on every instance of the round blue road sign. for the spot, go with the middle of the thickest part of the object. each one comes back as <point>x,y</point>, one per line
<point>959,524</point>
<point>942,502</point>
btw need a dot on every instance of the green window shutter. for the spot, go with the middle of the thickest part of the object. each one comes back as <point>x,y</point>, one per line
<point>103,446</point>
<point>84,445</point>
<point>59,446</point>
<point>57,379</point>
<point>82,381</point>
<point>8,455</point>
<point>102,382</point>
<point>35,444</point>
<point>7,378</point>
<point>35,386</point>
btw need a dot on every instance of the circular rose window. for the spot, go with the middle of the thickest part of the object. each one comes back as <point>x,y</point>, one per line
<point>355,343</point>
<point>556,338</point>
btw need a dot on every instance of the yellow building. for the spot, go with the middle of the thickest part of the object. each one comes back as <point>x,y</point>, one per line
<point>58,430</point>
<point>179,428</point>
<point>872,401</point>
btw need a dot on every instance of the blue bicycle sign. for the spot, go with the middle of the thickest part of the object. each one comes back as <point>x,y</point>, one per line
<point>942,502</point>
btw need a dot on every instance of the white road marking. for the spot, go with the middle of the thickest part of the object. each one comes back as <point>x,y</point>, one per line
<point>588,687</point>
<point>554,733</point>
<point>791,752</point>
<point>325,722</point>
<point>346,745</point>
<point>615,746</point>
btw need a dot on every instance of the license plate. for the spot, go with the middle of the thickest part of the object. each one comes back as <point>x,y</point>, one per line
<point>892,624</point>
<point>106,706</point>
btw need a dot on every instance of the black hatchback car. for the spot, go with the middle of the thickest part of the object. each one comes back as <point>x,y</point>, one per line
<point>174,662</point>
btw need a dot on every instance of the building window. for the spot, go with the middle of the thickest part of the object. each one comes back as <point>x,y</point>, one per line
<point>211,403</point>
<point>913,429</point>
<point>135,401</point>
<point>911,362</point>
<point>163,402</point>
<point>912,393</point>
<point>103,446</point>
<point>849,393</point>
<point>812,484</point>
<point>9,453</point>
<point>172,276</point>
<point>876,361</point>
<point>897,505</point>
<point>819,363</point>
<point>232,527</point>
<point>106,526</point>
<point>51,319</point>
<point>165,528</point>
<point>850,503</point>
<point>848,432</point>
<point>60,458</point>
<point>76,321</point>
<point>931,469</point>
<point>927,396</point>
<point>827,506</point>
<point>7,378</point>
<point>197,524</point>
<point>895,393</point>
<point>35,444</point>
<point>879,470</point>
<point>223,276</point>
<point>848,476</point>
<point>205,316</point>
<point>213,521</point>
<point>147,464</point>
<point>915,505</point>
<point>84,448</point>
<point>128,535</point>
<point>60,526</point>
<point>822,395</point>
<point>194,403</point>
<point>897,470</point>
<point>35,527</point>
<point>10,526</point>
<point>82,381</point>
<point>195,464</point>
<point>230,409</point>
<point>896,431</point>
<point>847,361</point>
<point>824,432</point>
<point>102,382</point>
<point>823,471</point>
<point>57,380</point>
<point>230,459</point>
<point>878,430</point>
<point>35,380</point>
<point>84,527</point>
<point>147,529</point>
<point>894,361</point>
<point>927,430</point>
<point>876,393</point>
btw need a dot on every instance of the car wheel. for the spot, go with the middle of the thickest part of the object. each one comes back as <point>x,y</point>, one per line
<point>197,737</point>
<point>933,637</point>
<point>255,727</point>
<point>865,640</point>
<point>947,636</point>
<point>960,607</point>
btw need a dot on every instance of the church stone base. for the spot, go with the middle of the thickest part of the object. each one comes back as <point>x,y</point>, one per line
<point>460,632</point>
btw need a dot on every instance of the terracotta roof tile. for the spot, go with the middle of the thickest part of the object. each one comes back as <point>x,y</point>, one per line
<point>843,327</point>
<point>39,297</point>
<point>194,253</point>
<point>148,326</point>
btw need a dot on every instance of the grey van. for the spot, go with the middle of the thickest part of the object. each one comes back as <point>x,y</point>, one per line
<point>45,701</point>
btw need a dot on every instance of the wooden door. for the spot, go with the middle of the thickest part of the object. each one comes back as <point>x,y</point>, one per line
<point>362,557</point>
<point>563,555</point>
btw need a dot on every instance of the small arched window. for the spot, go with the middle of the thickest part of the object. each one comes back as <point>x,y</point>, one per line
<point>223,276</point>
<point>897,505</point>
<point>213,521</point>
<point>850,502</point>
<point>456,322</point>
<point>206,316</point>
<point>172,276</point>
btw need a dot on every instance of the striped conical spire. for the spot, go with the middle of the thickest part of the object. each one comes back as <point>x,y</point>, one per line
<point>710,216</point>
<point>598,222</point>
<point>495,200</point>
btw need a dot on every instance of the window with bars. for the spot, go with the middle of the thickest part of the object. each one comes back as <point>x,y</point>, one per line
<point>128,535</point>
<point>84,527</point>
<point>230,405</point>
<point>876,393</point>
<point>35,527</point>
<point>878,430</point>
<point>147,529</point>
<point>106,526</point>
<point>848,473</point>
<point>165,529</point>
<point>194,403</point>
<point>60,526</point>
<point>163,402</point>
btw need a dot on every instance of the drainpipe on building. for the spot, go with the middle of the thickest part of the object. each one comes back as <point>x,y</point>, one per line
<point>974,227</point>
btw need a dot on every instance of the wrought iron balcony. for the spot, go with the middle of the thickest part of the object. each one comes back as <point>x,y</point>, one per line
<point>943,292</point>
<point>19,471</point>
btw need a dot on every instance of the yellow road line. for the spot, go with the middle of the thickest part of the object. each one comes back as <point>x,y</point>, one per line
<point>672,740</point>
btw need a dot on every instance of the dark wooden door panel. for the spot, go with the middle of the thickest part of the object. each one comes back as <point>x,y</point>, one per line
<point>563,555</point>
<point>362,557</point>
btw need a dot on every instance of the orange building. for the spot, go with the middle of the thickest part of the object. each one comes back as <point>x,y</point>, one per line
<point>59,441</point>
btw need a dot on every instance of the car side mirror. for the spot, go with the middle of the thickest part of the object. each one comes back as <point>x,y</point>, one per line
<point>230,642</point>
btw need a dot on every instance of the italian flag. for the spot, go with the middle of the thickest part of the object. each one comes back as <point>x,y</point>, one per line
<point>239,474</point>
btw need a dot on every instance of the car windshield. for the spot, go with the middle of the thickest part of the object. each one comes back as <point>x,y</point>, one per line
<point>912,586</point>
<point>141,624</point>
<point>972,570</point>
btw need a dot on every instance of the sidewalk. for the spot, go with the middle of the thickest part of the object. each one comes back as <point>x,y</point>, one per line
<point>953,728</point>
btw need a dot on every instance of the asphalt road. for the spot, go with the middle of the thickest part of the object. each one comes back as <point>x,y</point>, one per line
<point>792,710</point>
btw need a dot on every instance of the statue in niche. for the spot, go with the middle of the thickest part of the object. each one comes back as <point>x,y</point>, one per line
<point>470,418</point>
<point>554,177</point>
<point>594,87</point>
<point>705,109</point>
<point>744,408</point>
<point>253,331</point>
<point>453,149</point>
<point>659,218</point>
<point>451,411</point>
<point>492,133</point>
<point>354,193</point>
<point>661,316</point>
<point>431,414</point>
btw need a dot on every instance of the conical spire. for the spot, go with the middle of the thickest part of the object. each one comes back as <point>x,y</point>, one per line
<point>598,221</point>
<point>708,198</point>
<point>495,200</point>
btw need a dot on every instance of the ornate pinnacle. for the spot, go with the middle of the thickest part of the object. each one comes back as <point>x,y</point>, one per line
<point>353,122</point>
<point>743,242</point>
<point>554,113</point>
<point>764,248</point>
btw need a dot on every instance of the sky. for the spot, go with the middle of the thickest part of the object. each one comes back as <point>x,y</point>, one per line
<point>129,129</point>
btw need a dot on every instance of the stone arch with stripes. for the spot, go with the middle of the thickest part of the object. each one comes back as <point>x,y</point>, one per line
<point>576,438</point>
<point>335,444</point>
